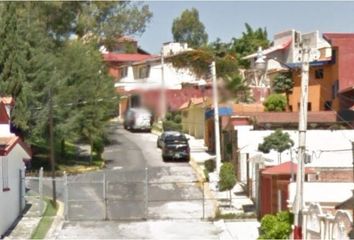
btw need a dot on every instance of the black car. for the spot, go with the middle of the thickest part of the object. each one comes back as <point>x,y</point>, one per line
<point>174,145</point>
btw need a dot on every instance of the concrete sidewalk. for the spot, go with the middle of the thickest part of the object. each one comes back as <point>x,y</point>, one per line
<point>29,221</point>
<point>240,203</point>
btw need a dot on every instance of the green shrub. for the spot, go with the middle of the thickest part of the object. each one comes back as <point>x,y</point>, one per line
<point>227,177</point>
<point>171,126</point>
<point>177,118</point>
<point>275,103</point>
<point>276,226</point>
<point>210,165</point>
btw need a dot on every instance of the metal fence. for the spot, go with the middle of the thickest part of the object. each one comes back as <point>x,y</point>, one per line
<point>126,195</point>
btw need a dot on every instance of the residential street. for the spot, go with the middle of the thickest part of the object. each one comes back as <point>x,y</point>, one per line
<point>172,192</point>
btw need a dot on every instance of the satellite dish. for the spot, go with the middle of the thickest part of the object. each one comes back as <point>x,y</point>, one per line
<point>315,54</point>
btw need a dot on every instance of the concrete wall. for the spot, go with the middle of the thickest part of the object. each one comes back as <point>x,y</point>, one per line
<point>10,199</point>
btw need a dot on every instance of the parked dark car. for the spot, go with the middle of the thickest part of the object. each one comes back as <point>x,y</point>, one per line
<point>174,145</point>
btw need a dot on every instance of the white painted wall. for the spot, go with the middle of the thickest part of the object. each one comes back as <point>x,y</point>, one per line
<point>316,140</point>
<point>10,200</point>
<point>4,130</point>
<point>319,192</point>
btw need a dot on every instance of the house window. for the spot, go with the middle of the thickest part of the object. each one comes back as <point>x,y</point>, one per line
<point>124,72</point>
<point>328,105</point>
<point>290,108</point>
<point>334,56</point>
<point>335,88</point>
<point>5,173</point>
<point>319,73</point>
<point>144,72</point>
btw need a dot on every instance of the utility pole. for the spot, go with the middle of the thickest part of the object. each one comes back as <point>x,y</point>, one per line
<point>300,176</point>
<point>51,142</point>
<point>163,88</point>
<point>216,118</point>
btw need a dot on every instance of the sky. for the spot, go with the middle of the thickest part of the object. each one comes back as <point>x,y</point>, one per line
<point>225,19</point>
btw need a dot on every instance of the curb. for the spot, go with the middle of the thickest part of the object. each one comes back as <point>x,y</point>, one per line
<point>201,178</point>
<point>57,223</point>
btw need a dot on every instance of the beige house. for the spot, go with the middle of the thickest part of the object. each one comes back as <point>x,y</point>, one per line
<point>193,116</point>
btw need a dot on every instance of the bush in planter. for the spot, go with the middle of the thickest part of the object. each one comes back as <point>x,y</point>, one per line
<point>210,165</point>
<point>227,177</point>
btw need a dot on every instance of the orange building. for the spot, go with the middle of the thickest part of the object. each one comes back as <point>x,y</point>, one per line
<point>331,81</point>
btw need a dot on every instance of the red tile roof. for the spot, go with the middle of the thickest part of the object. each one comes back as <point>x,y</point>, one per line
<point>285,169</point>
<point>125,57</point>
<point>8,143</point>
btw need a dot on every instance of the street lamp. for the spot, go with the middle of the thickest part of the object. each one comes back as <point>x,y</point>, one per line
<point>260,67</point>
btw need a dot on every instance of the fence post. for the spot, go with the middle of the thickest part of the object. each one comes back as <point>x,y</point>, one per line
<point>105,196</point>
<point>40,190</point>
<point>203,189</point>
<point>146,194</point>
<point>66,197</point>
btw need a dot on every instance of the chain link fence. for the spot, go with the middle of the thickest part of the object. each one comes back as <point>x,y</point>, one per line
<point>125,195</point>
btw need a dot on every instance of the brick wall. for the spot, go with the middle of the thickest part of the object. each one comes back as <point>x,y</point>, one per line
<point>333,175</point>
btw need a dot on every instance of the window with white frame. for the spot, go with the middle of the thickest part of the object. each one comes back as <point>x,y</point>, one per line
<point>5,173</point>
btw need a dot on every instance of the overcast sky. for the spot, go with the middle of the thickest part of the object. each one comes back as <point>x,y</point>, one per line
<point>226,19</point>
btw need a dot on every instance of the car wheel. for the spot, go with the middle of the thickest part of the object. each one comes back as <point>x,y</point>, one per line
<point>188,158</point>
<point>164,158</point>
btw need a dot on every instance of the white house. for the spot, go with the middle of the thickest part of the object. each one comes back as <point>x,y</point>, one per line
<point>329,153</point>
<point>147,74</point>
<point>13,153</point>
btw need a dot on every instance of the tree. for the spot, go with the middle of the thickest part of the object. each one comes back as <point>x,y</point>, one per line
<point>275,103</point>
<point>188,28</point>
<point>227,178</point>
<point>106,20</point>
<point>282,83</point>
<point>276,226</point>
<point>278,141</point>
<point>238,88</point>
<point>249,42</point>
<point>90,91</point>
<point>36,55</point>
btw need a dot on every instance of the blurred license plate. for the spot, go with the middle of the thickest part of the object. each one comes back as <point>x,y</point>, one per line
<point>178,155</point>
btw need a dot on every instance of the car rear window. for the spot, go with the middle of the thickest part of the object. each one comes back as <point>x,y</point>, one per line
<point>175,138</point>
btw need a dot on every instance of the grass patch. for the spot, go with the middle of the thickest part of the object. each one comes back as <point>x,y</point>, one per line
<point>46,221</point>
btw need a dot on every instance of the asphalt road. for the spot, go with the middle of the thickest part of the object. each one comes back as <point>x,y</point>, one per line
<point>136,184</point>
